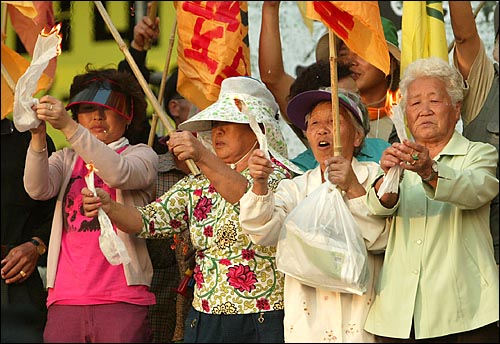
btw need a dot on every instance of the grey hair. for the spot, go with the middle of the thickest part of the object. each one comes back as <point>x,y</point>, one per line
<point>433,67</point>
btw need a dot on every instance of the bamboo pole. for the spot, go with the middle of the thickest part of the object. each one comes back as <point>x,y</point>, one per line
<point>167,62</point>
<point>163,82</point>
<point>8,79</point>
<point>4,21</point>
<point>152,15</point>
<point>337,145</point>
<point>145,87</point>
<point>476,11</point>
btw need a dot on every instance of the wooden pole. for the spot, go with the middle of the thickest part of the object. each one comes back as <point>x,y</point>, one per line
<point>152,15</point>
<point>8,79</point>
<point>167,62</point>
<point>163,82</point>
<point>337,145</point>
<point>4,21</point>
<point>145,87</point>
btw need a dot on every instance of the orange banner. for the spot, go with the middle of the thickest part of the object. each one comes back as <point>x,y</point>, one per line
<point>13,67</point>
<point>213,44</point>
<point>28,28</point>
<point>358,24</point>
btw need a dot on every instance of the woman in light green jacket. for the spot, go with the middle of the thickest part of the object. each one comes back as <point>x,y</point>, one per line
<point>439,277</point>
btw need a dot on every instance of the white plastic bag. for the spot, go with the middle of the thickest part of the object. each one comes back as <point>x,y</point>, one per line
<point>321,246</point>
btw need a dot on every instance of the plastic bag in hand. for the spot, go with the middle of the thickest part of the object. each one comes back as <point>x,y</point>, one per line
<point>320,244</point>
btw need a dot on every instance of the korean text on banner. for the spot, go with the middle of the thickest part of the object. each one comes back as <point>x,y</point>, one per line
<point>213,45</point>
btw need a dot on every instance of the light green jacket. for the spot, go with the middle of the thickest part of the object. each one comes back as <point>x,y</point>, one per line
<point>439,269</point>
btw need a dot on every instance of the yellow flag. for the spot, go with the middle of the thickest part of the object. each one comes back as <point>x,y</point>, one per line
<point>423,32</point>
<point>303,12</point>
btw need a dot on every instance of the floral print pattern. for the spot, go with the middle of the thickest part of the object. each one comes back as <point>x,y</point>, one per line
<point>241,278</point>
<point>232,275</point>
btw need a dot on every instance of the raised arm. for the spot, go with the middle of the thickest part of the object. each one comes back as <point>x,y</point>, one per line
<point>229,183</point>
<point>271,69</point>
<point>467,40</point>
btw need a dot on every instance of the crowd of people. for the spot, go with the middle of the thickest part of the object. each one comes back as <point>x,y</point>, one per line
<point>151,253</point>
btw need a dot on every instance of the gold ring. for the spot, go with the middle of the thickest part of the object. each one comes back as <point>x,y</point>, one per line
<point>415,156</point>
<point>50,107</point>
<point>22,273</point>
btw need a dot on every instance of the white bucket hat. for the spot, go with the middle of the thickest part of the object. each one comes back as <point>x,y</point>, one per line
<point>258,104</point>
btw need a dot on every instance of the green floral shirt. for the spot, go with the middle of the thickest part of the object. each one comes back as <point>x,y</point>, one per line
<point>232,275</point>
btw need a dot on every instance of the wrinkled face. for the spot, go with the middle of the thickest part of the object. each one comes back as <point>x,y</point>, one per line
<point>231,141</point>
<point>107,125</point>
<point>430,113</point>
<point>319,133</point>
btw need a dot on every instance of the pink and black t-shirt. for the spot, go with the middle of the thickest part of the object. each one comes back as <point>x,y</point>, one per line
<point>84,276</point>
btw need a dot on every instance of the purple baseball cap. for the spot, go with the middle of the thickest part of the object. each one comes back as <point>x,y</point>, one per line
<point>303,103</point>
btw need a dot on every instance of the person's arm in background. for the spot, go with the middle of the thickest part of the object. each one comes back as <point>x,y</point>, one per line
<point>271,69</point>
<point>145,30</point>
<point>479,73</point>
<point>28,218</point>
<point>467,40</point>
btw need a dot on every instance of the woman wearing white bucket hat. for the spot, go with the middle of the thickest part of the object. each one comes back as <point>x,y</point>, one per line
<point>238,294</point>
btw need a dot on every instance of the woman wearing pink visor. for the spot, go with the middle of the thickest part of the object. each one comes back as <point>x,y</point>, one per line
<point>84,285</point>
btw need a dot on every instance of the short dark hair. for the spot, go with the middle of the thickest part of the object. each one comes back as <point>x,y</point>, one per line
<point>315,76</point>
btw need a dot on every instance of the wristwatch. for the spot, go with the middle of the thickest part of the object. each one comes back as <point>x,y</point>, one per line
<point>434,172</point>
<point>41,249</point>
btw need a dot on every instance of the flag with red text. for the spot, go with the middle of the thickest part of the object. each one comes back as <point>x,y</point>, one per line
<point>212,45</point>
<point>358,24</point>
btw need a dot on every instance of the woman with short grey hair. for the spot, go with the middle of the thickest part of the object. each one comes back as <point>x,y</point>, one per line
<point>439,279</point>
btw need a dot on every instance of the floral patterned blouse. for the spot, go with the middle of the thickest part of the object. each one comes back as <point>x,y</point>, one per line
<point>232,275</point>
